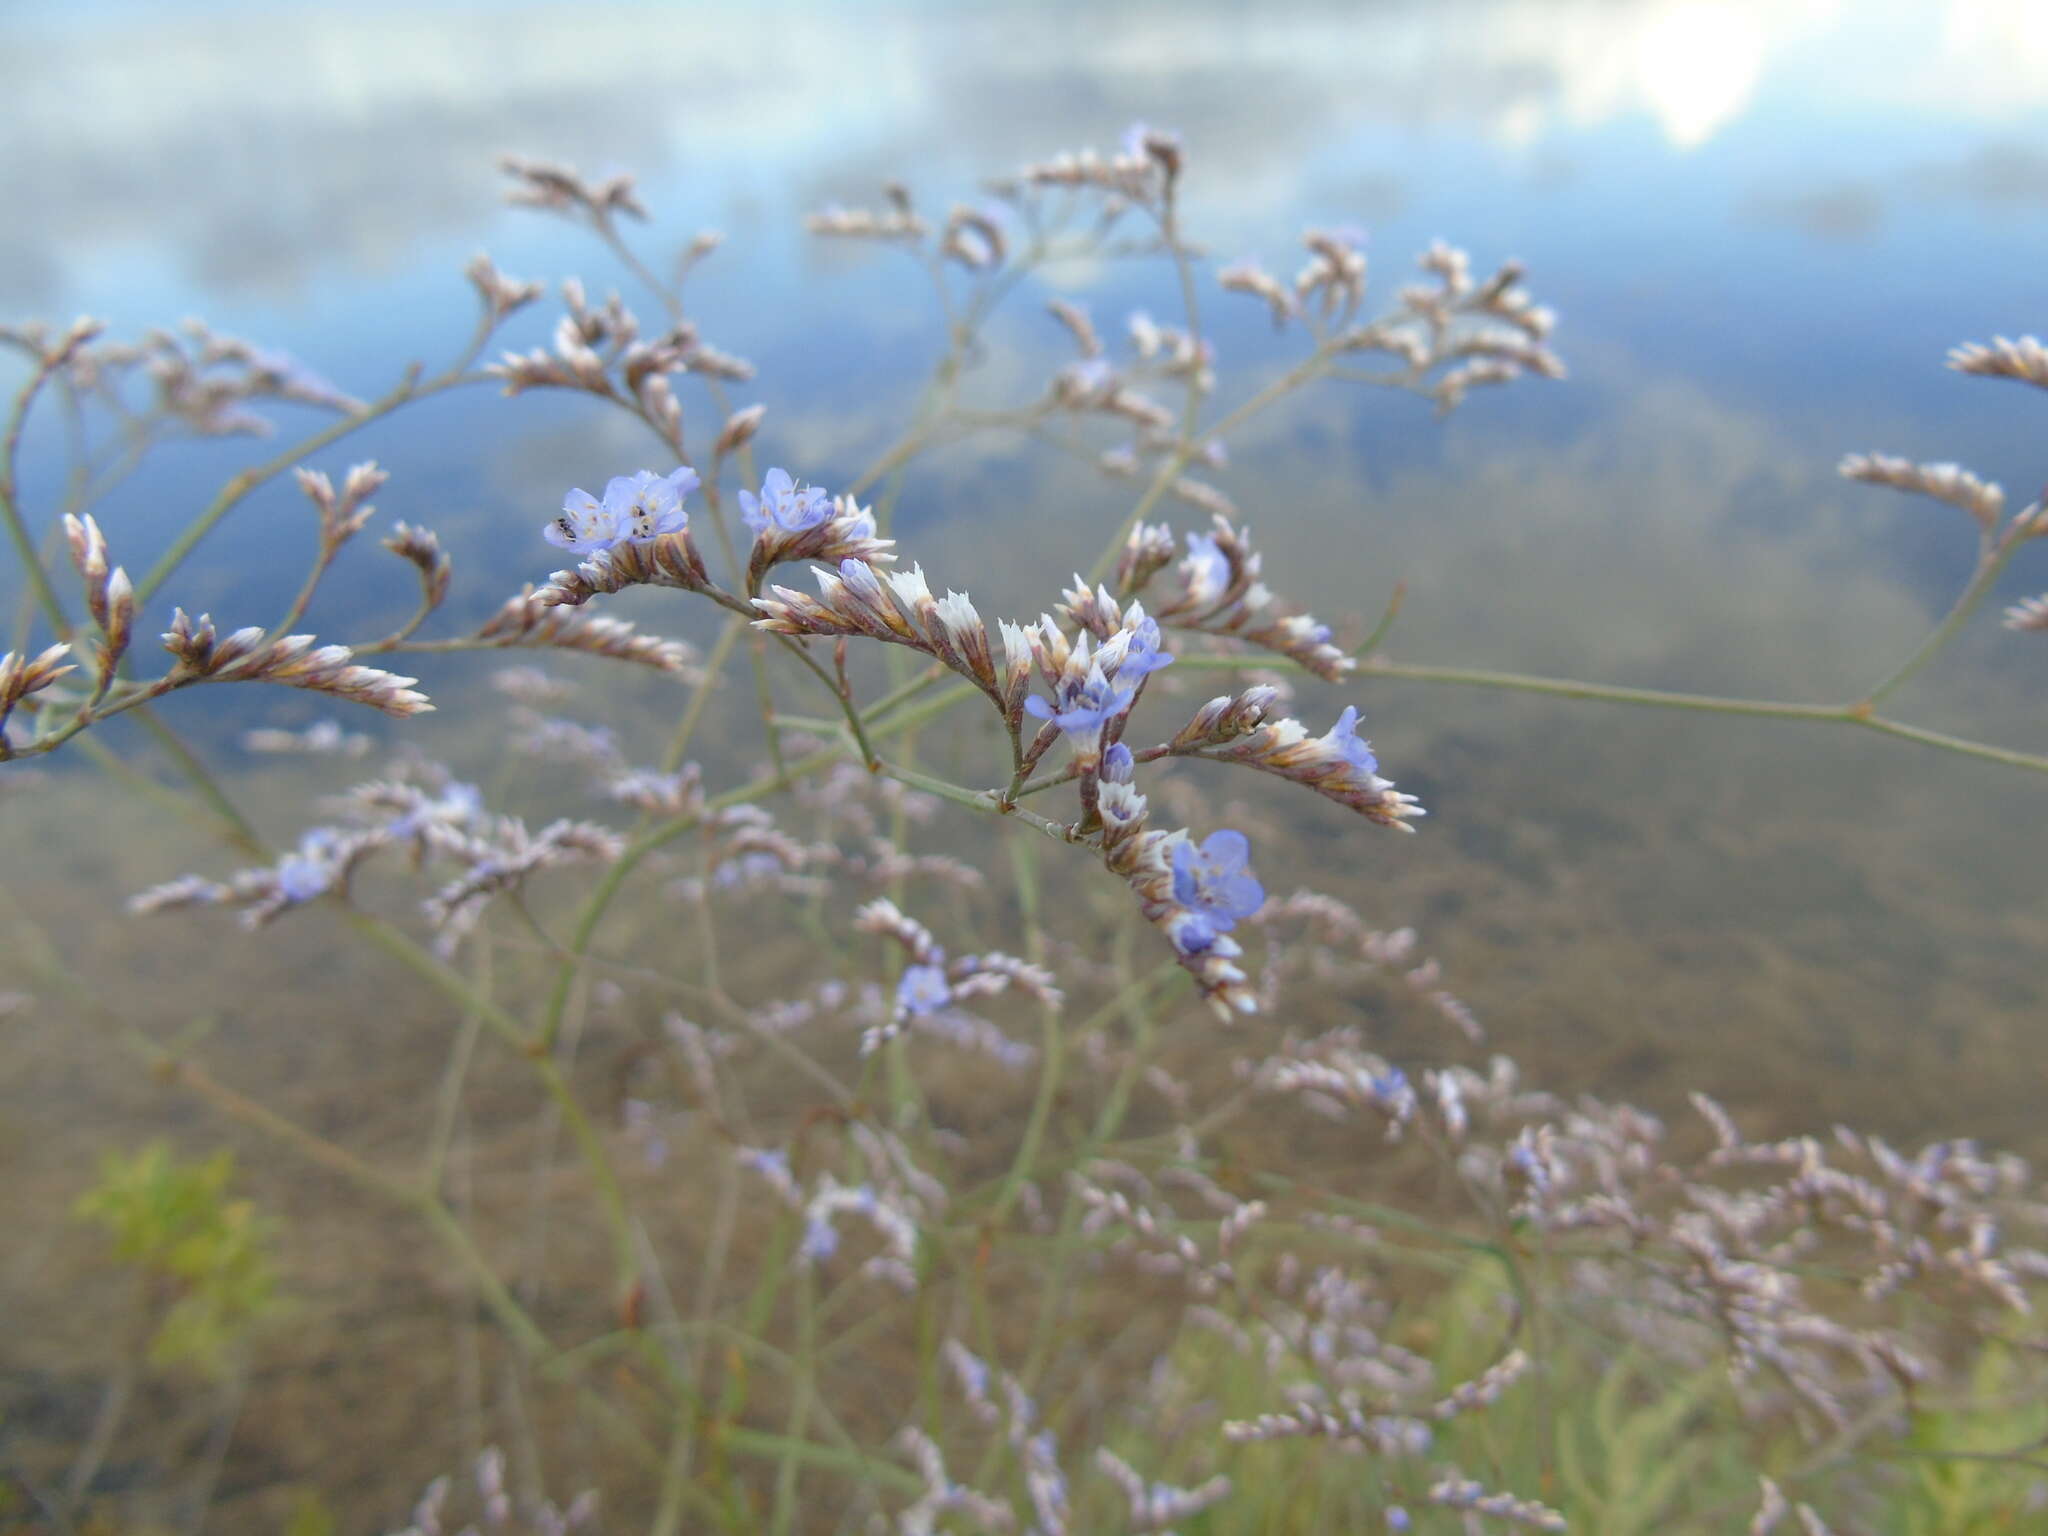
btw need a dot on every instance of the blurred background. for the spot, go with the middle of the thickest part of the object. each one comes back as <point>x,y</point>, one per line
<point>1763,223</point>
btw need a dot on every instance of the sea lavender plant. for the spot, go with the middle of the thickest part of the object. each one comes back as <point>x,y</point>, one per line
<point>846,1203</point>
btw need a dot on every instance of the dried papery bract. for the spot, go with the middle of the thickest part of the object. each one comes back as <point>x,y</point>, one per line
<point>599,350</point>
<point>504,859</point>
<point>1337,765</point>
<point>501,295</point>
<point>896,608</point>
<point>557,188</point>
<point>739,429</point>
<point>2025,360</point>
<point>1983,501</point>
<point>296,661</point>
<point>21,676</point>
<point>2029,613</point>
<point>1158,1506</point>
<point>669,560</point>
<point>343,513</point>
<point>1248,277</point>
<point>974,238</point>
<point>899,221</point>
<point>837,530</point>
<point>1078,325</point>
<point>1220,593</point>
<point>109,595</point>
<point>421,549</point>
<point>1463,1493</point>
<point>530,619</point>
<point>930,988</point>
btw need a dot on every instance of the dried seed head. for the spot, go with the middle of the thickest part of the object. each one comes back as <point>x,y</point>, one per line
<point>294,661</point>
<point>1983,501</point>
<point>501,295</point>
<point>422,548</point>
<point>2025,360</point>
<point>2029,613</point>
<point>739,429</point>
<point>530,620</point>
<point>21,676</point>
<point>1078,325</point>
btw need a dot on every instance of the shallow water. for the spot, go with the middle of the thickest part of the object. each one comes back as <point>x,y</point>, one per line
<point>1762,224</point>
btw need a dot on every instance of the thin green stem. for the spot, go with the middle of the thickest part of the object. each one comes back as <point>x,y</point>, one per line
<point>1992,561</point>
<point>408,389</point>
<point>714,664</point>
<point>1183,453</point>
<point>201,780</point>
<point>803,1390</point>
<point>10,504</point>
<point>550,1076</point>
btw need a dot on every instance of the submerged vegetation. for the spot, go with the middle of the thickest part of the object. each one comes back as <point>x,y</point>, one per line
<point>939,1205</point>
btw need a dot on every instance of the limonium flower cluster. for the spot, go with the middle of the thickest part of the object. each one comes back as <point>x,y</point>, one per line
<point>1091,669</point>
<point>880,1156</point>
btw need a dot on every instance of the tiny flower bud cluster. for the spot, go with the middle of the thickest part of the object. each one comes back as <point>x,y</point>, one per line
<point>322,738</point>
<point>929,990</point>
<point>109,595</point>
<point>343,515</point>
<point>1463,1493</point>
<point>900,222</point>
<point>2025,360</point>
<point>435,1515</point>
<point>1143,169</point>
<point>1220,593</point>
<point>295,661</point>
<point>21,676</point>
<point>2029,613</point>
<point>804,523</point>
<point>1983,501</point>
<point>557,188</point>
<point>421,549</point>
<point>531,620</point>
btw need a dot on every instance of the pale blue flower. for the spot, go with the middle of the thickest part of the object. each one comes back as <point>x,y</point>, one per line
<point>784,504</point>
<point>1343,739</point>
<point>1215,883</point>
<point>1207,568</point>
<point>310,871</point>
<point>1090,376</point>
<point>1081,710</point>
<point>1143,657</point>
<point>923,990</point>
<point>458,805</point>
<point>821,1239</point>
<point>635,507</point>
<point>1390,1090</point>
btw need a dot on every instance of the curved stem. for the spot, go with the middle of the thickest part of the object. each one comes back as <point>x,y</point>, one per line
<point>686,728</point>
<point>1990,563</point>
<point>10,504</point>
<point>1184,452</point>
<point>409,389</point>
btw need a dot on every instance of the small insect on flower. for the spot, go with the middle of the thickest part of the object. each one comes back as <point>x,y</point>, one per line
<point>635,508</point>
<point>784,504</point>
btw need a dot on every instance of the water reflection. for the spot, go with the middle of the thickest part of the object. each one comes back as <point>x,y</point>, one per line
<point>257,151</point>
